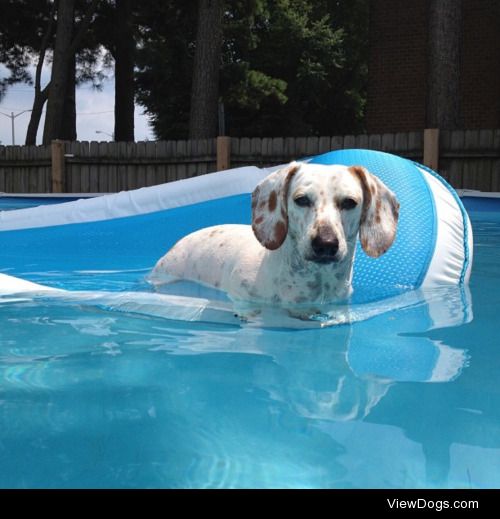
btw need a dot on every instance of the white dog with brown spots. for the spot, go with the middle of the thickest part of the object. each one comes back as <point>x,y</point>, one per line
<point>299,251</point>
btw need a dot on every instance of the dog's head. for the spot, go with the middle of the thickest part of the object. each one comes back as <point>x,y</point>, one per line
<point>322,209</point>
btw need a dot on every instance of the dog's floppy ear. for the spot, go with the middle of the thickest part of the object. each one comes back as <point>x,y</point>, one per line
<point>379,217</point>
<point>270,209</point>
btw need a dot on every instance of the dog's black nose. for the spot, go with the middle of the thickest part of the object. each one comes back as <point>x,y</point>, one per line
<point>325,246</point>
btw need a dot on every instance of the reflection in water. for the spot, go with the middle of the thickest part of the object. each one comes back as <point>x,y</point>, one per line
<point>377,352</point>
<point>398,353</point>
<point>150,402</point>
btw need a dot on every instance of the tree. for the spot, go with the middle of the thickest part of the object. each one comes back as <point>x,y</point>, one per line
<point>206,68</point>
<point>297,75</point>
<point>60,119</point>
<point>123,52</point>
<point>28,34</point>
<point>21,24</point>
<point>41,94</point>
<point>68,127</point>
<point>166,35</point>
<point>60,69</point>
<point>443,87</point>
<point>28,29</point>
<point>288,67</point>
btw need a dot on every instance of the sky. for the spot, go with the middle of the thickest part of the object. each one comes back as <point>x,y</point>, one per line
<point>94,113</point>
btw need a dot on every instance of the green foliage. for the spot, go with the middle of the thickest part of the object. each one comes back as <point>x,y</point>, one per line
<point>23,25</point>
<point>289,67</point>
<point>21,29</point>
<point>164,64</point>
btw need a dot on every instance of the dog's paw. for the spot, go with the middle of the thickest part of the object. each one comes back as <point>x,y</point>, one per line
<point>246,311</point>
<point>247,316</point>
<point>309,315</point>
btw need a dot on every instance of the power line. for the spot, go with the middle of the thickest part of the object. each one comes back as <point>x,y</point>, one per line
<point>95,113</point>
<point>77,113</point>
<point>12,108</point>
<point>13,116</point>
<point>20,89</point>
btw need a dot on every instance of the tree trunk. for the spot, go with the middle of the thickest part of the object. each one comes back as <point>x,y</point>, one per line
<point>124,72</point>
<point>59,77</point>
<point>443,88</point>
<point>36,115</point>
<point>40,95</point>
<point>205,87</point>
<point>68,128</point>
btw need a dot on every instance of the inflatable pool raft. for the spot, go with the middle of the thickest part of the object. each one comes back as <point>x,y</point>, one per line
<point>129,231</point>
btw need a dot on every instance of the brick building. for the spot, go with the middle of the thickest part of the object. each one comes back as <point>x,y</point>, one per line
<point>397,86</point>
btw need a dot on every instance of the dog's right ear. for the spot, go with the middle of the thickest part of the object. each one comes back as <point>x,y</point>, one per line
<point>270,209</point>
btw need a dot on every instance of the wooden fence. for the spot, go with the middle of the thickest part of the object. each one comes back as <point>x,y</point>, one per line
<point>468,159</point>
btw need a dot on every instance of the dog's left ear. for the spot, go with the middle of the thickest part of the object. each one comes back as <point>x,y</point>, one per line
<point>379,217</point>
<point>270,209</point>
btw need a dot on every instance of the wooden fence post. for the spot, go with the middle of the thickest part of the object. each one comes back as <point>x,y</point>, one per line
<point>431,148</point>
<point>223,153</point>
<point>58,166</point>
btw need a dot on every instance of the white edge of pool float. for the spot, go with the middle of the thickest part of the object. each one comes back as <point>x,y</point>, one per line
<point>449,253</point>
<point>16,289</point>
<point>138,201</point>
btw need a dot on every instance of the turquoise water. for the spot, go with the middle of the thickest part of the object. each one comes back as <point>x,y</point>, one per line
<point>8,203</point>
<point>92,397</point>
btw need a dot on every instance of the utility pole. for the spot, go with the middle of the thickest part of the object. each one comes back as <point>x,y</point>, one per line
<point>12,116</point>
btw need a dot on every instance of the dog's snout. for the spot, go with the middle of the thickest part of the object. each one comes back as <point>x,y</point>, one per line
<point>325,244</point>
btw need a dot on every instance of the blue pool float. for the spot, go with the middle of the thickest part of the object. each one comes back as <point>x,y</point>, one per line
<point>131,230</point>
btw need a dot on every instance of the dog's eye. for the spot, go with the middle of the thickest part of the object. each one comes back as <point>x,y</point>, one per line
<point>303,201</point>
<point>348,203</point>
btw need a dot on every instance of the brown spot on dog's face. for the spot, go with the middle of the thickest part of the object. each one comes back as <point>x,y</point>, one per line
<point>378,206</point>
<point>279,236</point>
<point>395,210</point>
<point>270,199</point>
<point>364,243</point>
<point>360,174</point>
<point>380,213</point>
<point>280,231</point>
<point>273,201</point>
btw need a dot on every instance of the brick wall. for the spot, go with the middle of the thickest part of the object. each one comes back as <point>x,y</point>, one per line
<point>398,65</point>
<point>480,83</point>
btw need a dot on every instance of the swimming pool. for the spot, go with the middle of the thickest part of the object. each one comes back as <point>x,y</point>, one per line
<point>97,398</point>
<point>9,202</point>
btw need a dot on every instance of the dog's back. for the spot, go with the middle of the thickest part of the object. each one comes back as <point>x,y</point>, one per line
<point>209,256</point>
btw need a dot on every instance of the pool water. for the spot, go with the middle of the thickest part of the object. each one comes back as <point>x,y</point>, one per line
<point>92,397</point>
<point>10,202</point>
